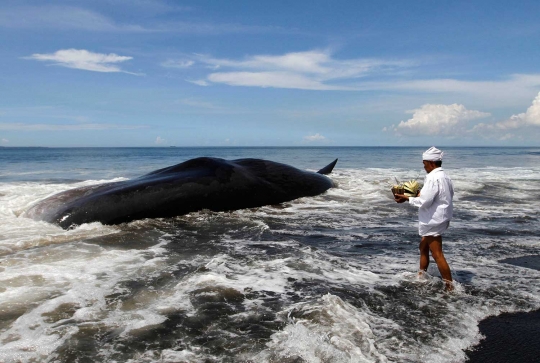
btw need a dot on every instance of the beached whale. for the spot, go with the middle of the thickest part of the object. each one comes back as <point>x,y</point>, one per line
<point>201,183</point>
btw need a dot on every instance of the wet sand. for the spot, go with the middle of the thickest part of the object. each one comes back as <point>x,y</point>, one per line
<point>510,337</point>
<point>532,261</point>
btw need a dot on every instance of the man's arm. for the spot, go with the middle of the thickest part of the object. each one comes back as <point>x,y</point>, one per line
<point>426,198</point>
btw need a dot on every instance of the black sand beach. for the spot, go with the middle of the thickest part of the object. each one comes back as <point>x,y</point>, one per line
<point>510,337</point>
<point>532,261</point>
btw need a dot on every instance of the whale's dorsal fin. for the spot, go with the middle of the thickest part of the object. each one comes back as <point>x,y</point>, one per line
<point>328,168</point>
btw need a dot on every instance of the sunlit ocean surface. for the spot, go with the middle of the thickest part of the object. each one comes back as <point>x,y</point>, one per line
<point>330,278</point>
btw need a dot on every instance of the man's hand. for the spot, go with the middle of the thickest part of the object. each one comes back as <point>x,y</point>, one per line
<point>400,198</point>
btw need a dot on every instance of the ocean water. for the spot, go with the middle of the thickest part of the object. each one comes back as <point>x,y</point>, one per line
<point>331,278</point>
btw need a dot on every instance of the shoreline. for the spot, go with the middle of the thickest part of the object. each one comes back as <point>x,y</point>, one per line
<point>510,337</point>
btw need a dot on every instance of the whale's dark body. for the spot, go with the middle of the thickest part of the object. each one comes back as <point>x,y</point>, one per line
<point>202,183</point>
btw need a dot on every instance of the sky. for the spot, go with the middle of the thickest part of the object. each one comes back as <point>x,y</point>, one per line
<point>144,73</point>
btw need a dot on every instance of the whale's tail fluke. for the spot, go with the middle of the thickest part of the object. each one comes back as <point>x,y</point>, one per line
<point>328,168</point>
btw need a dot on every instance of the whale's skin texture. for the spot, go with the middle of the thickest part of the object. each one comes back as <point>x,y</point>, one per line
<point>202,183</point>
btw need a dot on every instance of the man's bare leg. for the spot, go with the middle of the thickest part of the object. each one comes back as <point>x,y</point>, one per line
<point>424,255</point>
<point>435,245</point>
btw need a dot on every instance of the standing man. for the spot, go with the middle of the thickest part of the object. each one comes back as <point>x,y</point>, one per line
<point>435,211</point>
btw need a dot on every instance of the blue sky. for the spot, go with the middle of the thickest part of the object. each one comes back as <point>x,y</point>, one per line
<point>261,73</point>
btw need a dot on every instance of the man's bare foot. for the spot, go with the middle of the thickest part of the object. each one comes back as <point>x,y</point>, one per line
<point>448,286</point>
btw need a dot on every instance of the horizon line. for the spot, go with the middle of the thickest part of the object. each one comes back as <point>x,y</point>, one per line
<point>255,146</point>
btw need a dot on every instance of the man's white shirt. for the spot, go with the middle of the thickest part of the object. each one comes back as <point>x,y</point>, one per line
<point>434,203</point>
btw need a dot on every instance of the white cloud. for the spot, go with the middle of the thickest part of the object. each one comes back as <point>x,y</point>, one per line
<point>270,79</point>
<point>454,120</point>
<point>5,141</point>
<point>177,63</point>
<point>508,137</point>
<point>199,82</point>
<point>58,113</point>
<point>315,138</point>
<point>506,91</point>
<point>320,70</point>
<point>310,70</point>
<point>529,118</point>
<point>511,84</point>
<point>304,62</point>
<point>65,127</point>
<point>77,18</point>
<point>219,29</point>
<point>160,140</point>
<point>193,102</point>
<point>60,17</point>
<point>445,120</point>
<point>83,59</point>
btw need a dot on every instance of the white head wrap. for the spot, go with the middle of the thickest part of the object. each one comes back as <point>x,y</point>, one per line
<point>432,154</point>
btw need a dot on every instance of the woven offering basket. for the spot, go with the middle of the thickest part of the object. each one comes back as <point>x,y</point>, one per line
<point>409,188</point>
